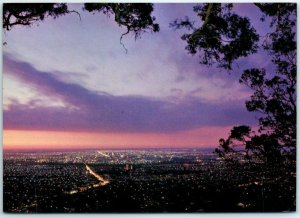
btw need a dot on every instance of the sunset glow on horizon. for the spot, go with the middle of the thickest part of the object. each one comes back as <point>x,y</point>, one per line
<point>39,140</point>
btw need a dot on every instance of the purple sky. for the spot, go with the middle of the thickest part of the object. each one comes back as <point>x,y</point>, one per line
<point>67,74</point>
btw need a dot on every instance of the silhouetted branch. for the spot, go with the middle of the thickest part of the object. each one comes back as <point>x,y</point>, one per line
<point>128,30</point>
<point>73,11</point>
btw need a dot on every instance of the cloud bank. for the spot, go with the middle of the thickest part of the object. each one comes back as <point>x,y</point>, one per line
<point>88,110</point>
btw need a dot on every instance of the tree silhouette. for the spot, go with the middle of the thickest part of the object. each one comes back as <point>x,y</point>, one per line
<point>223,38</point>
<point>135,17</point>
<point>29,13</point>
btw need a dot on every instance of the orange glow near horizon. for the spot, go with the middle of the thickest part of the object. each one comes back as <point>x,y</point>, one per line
<point>27,139</point>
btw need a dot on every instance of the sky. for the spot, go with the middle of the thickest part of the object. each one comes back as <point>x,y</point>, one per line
<point>69,83</point>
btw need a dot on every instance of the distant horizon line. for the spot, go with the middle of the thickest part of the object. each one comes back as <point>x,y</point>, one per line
<point>12,150</point>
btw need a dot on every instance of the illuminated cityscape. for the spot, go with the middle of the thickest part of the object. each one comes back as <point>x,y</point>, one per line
<point>148,180</point>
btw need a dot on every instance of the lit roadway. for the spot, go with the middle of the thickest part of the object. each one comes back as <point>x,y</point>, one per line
<point>102,182</point>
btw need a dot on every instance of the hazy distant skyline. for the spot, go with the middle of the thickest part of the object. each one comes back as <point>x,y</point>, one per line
<point>69,82</point>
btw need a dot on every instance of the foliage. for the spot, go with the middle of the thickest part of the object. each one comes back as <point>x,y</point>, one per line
<point>29,13</point>
<point>135,17</point>
<point>223,38</point>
